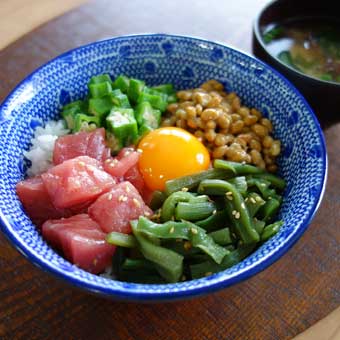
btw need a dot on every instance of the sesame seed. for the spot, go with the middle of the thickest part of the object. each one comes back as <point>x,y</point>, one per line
<point>194,231</point>
<point>258,199</point>
<point>109,197</point>
<point>230,198</point>
<point>81,163</point>
<point>122,198</point>
<point>178,240</point>
<point>214,212</point>
<point>108,160</point>
<point>139,150</point>
<point>146,213</point>
<point>208,274</point>
<point>136,202</point>
<point>127,189</point>
<point>243,162</point>
<point>263,184</point>
<point>234,212</point>
<point>243,206</point>
<point>185,189</point>
<point>269,197</point>
<point>229,193</point>
<point>237,215</point>
<point>246,200</point>
<point>252,200</point>
<point>172,229</point>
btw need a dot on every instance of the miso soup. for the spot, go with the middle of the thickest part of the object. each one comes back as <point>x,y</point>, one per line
<point>311,46</point>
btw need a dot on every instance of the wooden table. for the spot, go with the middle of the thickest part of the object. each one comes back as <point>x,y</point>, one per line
<point>279,303</point>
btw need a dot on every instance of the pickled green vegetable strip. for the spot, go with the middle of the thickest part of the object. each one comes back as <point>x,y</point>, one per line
<point>194,211</point>
<point>181,246</point>
<point>191,181</point>
<point>157,200</point>
<point>215,221</point>
<point>168,209</point>
<point>183,230</point>
<point>276,181</point>
<point>170,263</point>
<point>237,168</point>
<point>268,210</point>
<point>210,267</point>
<point>120,239</point>
<point>222,236</point>
<point>138,264</point>
<point>240,184</point>
<point>270,230</point>
<point>253,203</point>
<point>259,225</point>
<point>235,205</point>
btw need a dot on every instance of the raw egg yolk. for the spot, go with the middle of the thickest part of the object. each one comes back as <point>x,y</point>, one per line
<point>168,153</point>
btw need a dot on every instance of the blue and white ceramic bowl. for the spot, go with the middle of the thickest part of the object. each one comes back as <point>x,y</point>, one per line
<point>186,62</point>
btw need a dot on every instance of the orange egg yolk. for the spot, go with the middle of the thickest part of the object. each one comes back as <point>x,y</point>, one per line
<point>168,153</point>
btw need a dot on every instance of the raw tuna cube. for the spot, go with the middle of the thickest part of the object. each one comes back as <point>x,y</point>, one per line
<point>53,228</point>
<point>114,210</point>
<point>81,240</point>
<point>76,181</point>
<point>118,166</point>
<point>90,144</point>
<point>134,176</point>
<point>36,201</point>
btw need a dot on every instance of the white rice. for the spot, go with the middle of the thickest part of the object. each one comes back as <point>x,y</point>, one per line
<point>41,152</point>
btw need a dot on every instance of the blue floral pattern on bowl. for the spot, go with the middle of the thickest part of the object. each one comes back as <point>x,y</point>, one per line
<point>186,62</point>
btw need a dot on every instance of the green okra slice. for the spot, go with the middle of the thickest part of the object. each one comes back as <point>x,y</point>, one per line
<point>119,99</point>
<point>169,263</point>
<point>135,89</point>
<point>122,83</point>
<point>100,90</point>
<point>164,88</point>
<point>101,78</point>
<point>85,123</point>
<point>122,124</point>
<point>100,106</point>
<point>70,110</point>
<point>147,116</point>
<point>157,100</point>
<point>183,230</point>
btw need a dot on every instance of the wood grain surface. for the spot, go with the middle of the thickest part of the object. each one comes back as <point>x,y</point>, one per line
<point>278,303</point>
